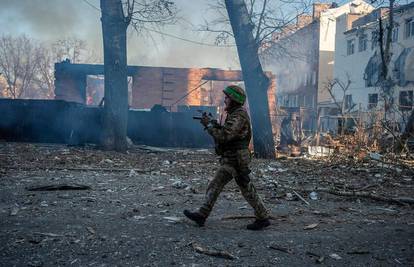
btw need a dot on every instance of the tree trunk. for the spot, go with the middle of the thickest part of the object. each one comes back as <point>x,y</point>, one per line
<point>115,118</point>
<point>255,80</point>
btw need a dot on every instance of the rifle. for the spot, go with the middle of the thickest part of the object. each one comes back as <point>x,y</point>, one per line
<point>209,115</point>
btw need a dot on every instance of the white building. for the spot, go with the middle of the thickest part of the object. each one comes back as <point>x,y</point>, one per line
<point>358,60</point>
<point>303,71</point>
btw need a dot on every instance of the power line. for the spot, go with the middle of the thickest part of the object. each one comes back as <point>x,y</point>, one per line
<point>166,34</point>
<point>92,5</point>
<point>192,90</point>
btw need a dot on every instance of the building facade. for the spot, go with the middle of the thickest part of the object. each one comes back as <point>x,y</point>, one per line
<point>358,63</point>
<point>305,63</point>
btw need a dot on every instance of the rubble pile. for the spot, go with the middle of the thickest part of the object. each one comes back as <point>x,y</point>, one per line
<point>87,207</point>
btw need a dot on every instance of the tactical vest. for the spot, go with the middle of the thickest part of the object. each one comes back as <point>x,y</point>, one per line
<point>239,143</point>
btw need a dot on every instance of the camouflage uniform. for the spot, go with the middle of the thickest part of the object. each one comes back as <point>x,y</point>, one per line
<point>232,140</point>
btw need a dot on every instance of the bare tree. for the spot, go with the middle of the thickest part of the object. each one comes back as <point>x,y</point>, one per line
<point>116,17</point>
<point>256,82</point>
<point>45,76</point>
<point>387,83</point>
<point>71,48</point>
<point>343,107</point>
<point>18,64</point>
<point>254,25</point>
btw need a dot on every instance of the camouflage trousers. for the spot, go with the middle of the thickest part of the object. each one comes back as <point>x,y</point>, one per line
<point>227,171</point>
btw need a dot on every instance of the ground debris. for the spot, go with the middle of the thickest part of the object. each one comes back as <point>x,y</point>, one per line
<point>358,252</point>
<point>59,187</point>
<point>335,256</point>
<point>311,226</point>
<point>300,197</point>
<point>280,248</point>
<point>318,258</point>
<point>14,211</point>
<point>212,252</point>
<point>127,209</point>
<point>173,219</point>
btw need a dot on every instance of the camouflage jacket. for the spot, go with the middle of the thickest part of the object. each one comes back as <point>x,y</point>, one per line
<point>235,134</point>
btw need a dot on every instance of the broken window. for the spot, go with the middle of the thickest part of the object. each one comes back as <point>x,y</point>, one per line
<point>372,101</point>
<point>362,42</point>
<point>374,39</point>
<point>406,100</point>
<point>94,89</point>
<point>400,64</point>
<point>409,28</point>
<point>372,71</point>
<point>350,47</point>
<point>395,31</point>
<point>348,102</point>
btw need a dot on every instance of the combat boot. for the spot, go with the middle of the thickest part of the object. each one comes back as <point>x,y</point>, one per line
<point>196,216</point>
<point>258,224</point>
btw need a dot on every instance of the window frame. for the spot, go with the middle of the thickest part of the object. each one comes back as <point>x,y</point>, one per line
<point>350,46</point>
<point>409,28</point>
<point>362,43</point>
<point>371,104</point>
<point>395,34</point>
<point>348,102</point>
<point>409,95</point>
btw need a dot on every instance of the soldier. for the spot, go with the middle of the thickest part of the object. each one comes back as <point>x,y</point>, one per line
<point>232,141</point>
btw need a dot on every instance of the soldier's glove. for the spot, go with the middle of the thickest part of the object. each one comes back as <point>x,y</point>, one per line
<point>205,120</point>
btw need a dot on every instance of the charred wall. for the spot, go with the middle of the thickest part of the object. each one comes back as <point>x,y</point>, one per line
<point>57,121</point>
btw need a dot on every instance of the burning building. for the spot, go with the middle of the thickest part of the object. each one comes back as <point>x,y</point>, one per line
<point>162,101</point>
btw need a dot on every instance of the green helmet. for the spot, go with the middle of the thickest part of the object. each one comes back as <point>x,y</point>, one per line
<point>236,93</point>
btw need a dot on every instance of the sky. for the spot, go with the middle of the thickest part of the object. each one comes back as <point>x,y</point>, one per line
<point>49,20</point>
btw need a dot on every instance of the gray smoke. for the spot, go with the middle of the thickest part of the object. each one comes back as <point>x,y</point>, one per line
<point>50,20</point>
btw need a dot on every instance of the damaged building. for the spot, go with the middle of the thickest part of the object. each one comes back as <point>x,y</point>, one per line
<point>303,60</point>
<point>161,100</point>
<point>358,58</point>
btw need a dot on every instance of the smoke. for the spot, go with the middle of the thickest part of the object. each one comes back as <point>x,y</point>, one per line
<point>157,50</point>
<point>44,19</point>
<point>50,20</point>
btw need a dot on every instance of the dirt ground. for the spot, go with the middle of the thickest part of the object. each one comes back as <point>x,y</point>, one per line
<point>129,211</point>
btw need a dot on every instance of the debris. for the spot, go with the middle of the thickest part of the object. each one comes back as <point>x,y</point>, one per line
<point>334,191</point>
<point>358,252</point>
<point>14,211</point>
<point>290,197</point>
<point>310,226</point>
<point>375,156</point>
<point>212,252</point>
<point>313,195</point>
<point>319,259</point>
<point>179,184</point>
<point>236,217</point>
<point>173,219</point>
<point>335,256</point>
<point>280,248</point>
<point>320,151</point>
<point>301,198</point>
<point>90,230</point>
<point>132,173</point>
<point>48,234</point>
<point>108,161</point>
<point>59,187</point>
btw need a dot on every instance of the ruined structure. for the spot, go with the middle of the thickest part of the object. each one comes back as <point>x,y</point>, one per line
<point>162,102</point>
<point>172,88</point>
<point>303,60</point>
